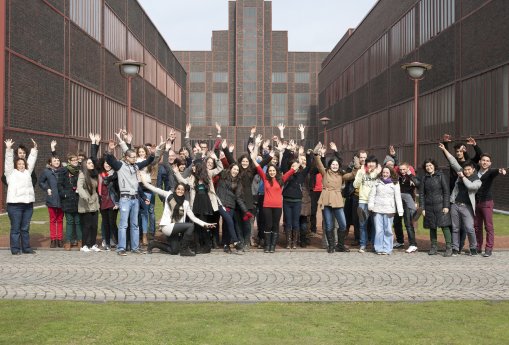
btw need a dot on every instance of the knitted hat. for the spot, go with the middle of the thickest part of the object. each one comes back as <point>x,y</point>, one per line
<point>388,158</point>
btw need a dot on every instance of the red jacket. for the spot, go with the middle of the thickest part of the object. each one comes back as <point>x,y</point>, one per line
<point>273,194</point>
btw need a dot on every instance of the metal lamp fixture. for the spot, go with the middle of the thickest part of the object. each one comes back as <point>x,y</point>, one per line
<point>416,72</point>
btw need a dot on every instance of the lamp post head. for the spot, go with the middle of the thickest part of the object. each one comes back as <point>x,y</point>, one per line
<point>324,120</point>
<point>416,70</point>
<point>129,68</point>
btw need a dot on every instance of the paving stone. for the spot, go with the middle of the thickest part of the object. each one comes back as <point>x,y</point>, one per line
<point>285,276</point>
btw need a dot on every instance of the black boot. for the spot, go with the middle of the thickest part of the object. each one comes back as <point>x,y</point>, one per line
<point>288,236</point>
<point>184,248</point>
<point>53,244</point>
<point>60,243</point>
<point>294,239</point>
<point>163,247</point>
<point>340,247</point>
<point>303,239</point>
<point>273,242</point>
<point>330,242</point>
<point>266,248</point>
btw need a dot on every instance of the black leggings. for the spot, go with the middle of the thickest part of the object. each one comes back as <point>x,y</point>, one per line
<point>109,222</point>
<point>89,227</point>
<point>272,218</point>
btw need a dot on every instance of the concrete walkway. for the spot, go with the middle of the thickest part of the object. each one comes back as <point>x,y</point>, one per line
<point>253,277</point>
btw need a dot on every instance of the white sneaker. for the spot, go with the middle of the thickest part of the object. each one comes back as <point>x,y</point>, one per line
<point>95,248</point>
<point>397,245</point>
<point>362,249</point>
<point>411,249</point>
<point>84,249</point>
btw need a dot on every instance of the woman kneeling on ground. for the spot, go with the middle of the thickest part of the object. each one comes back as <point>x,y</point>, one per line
<point>173,221</point>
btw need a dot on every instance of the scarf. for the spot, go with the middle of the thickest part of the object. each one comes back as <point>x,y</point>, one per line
<point>178,206</point>
<point>386,180</point>
<point>73,170</point>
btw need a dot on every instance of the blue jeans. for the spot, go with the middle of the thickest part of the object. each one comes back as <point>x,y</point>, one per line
<point>291,211</point>
<point>20,215</point>
<point>230,225</point>
<point>129,209</point>
<point>145,212</point>
<point>363,227</point>
<point>383,232</point>
<point>152,215</point>
<point>338,213</point>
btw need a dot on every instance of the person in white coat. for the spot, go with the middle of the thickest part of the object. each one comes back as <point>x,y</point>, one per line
<point>20,197</point>
<point>385,202</point>
<point>173,222</point>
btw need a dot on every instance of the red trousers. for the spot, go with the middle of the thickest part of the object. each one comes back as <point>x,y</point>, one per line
<point>56,223</point>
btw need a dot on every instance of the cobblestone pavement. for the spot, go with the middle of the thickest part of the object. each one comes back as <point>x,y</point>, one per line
<point>284,277</point>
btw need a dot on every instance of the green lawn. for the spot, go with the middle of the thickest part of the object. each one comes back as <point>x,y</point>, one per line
<point>41,215</point>
<point>455,322</point>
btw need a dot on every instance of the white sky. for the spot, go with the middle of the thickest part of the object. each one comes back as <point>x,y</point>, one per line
<point>312,25</point>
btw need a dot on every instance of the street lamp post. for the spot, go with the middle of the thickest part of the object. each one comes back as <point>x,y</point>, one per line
<point>129,69</point>
<point>416,71</point>
<point>324,120</point>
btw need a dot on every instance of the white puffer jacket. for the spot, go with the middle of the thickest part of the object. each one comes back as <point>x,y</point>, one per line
<point>20,189</point>
<point>385,198</point>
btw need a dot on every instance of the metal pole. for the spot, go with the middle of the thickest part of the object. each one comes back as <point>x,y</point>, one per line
<point>2,85</point>
<point>416,108</point>
<point>129,117</point>
<point>325,135</point>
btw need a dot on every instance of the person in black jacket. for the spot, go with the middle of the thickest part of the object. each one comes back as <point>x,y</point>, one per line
<point>292,193</point>
<point>434,200</point>
<point>484,204</point>
<point>67,191</point>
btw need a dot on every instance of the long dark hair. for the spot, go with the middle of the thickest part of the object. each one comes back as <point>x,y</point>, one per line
<point>278,177</point>
<point>179,201</point>
<point>249,171</point>
<point>201,173</point>
<point>89,176</point>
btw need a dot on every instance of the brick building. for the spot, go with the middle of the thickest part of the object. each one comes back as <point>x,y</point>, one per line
<point>249,78</point>
<point>59,80</point>
<point>370,98</point>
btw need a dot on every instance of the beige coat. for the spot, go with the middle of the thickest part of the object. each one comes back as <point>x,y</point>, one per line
<point>332,186</point>
<point>87,203</point>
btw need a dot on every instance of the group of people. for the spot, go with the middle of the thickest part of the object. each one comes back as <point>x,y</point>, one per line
<point>200,186</point>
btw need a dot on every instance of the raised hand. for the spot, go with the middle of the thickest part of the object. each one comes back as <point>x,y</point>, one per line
<point>9,143</point>
<point>471,141</point>
<point>218,127</point>
<point>224,144</point>
<point>212,155</point>
<point>92,137</point>
<point>53,145</point>
<point>333,146</point>
<point>301,128</point>
<point>197,147</point>
<point>129,137</point>
<point>188,128</point>
<point>441,146</point>
<point>119,134</point>
<point>392,151</point>
<point>231,147</point>
<point>502,171</point>
<point>97,138</point>
<point>253,130</point>
<point>34,143</point>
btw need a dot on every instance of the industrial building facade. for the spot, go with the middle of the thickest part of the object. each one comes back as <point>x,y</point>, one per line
<point>60,82</point>
<point>369,97</point>
<point>249,78</point>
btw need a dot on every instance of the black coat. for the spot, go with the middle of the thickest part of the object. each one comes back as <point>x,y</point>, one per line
<point>49,180</point>
<point>67,191</point>
<point>434,197</point>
